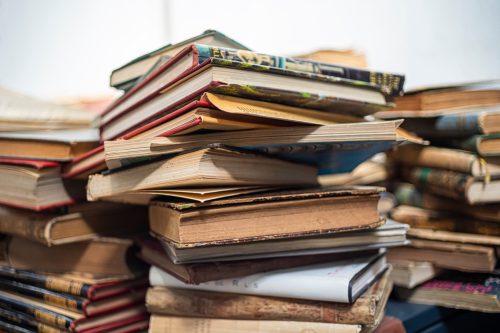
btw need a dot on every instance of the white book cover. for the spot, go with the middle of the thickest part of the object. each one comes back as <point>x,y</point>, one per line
<point>74,135</point>
<point>340,281</point>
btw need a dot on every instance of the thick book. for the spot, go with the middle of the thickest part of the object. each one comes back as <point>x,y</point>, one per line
<point>216,165</point>
<point>449,255</point>
<point>474,292</point>
<point>71,284</point>
<point>450,97</point>
<point>126,76</point>
<point>76,223</point>
<point>87,307</point>
<point>455,185</point>
<point>170,324</point>
<point>266,216</point>
<point>18,322</point>
<point>367,310</point>
<point>153,253</point>
<point>333,148</point>
<point>445,159</point>
<point>423,218</point>
<point>57,145</point>
<point>409,274</point>
<point>35,185</point>
<point>487,145</point>
<point>455,125</point>
<point>171,85</point>
<point>408,194</point>
<point>24,113</point>
<point>338,281</point>
<point>66,320</point>
<point>390,234</point>
<point>97,258</point>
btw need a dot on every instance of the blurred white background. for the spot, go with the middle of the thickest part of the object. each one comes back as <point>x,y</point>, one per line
<point>58,48</point>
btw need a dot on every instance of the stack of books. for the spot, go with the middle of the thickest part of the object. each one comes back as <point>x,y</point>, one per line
<point>450,196</point>
<point>224,146</point>
<point>66,264</point>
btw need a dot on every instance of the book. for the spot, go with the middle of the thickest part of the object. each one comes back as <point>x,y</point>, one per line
<point>126,76</point>
<point>449,255</point>
<point>18,322</point>
<point>57,145</point>
<point>446,159</point>
<point>171,86</point>
<point>87,307</point>
<point>153,253</point>
<point>272,215</point>
<point>487,145</point>
<point>66,320</point>
<point>408,194</point>
<point>215,165</point>
<point>75,223</point>
<point>390,234</point>
<point>457,237</point>
<point>455,185</point>
<point>72,284</point>
<point>170,324</point>
<point>423,218</point>
<point>338,281</point>
<point>334,148</point>
<point>455,125</point>
<point>97,258</point>
<point>474,292</point>
<point>410,274</point>
<point>367,310</point>
<point>35,185</point>
<point>472,94</point>
<point>392,84</point>
<point>25,113</point>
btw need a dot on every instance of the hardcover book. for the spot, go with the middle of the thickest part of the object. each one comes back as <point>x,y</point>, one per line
<point>344,281</point>
<point>483,145</point>
<point>66,320</point>
<point>75,223</point>
<point>126,76</point>
<point>256,217</point>
<point>474,292</point>
<point>35,185</point>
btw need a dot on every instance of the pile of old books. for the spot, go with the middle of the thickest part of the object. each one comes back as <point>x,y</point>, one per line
<point>65,263</point>
<point>450,196</point>
<point>225,147</point>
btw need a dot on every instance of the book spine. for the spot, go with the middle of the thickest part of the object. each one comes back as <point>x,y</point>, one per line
<point>26,225</point>
<point>448,183</point>
<point>182,302</point>
<point>53,283</point>
<point>23,320</point>
<point>57,299</point>
<point>40,314</point>
<point>391,84</point>
<point>461,124</point>
<point>433,157</point>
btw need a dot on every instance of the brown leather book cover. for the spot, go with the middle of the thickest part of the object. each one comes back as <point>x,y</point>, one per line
<point>367,310</point>
<point>271,215</point>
